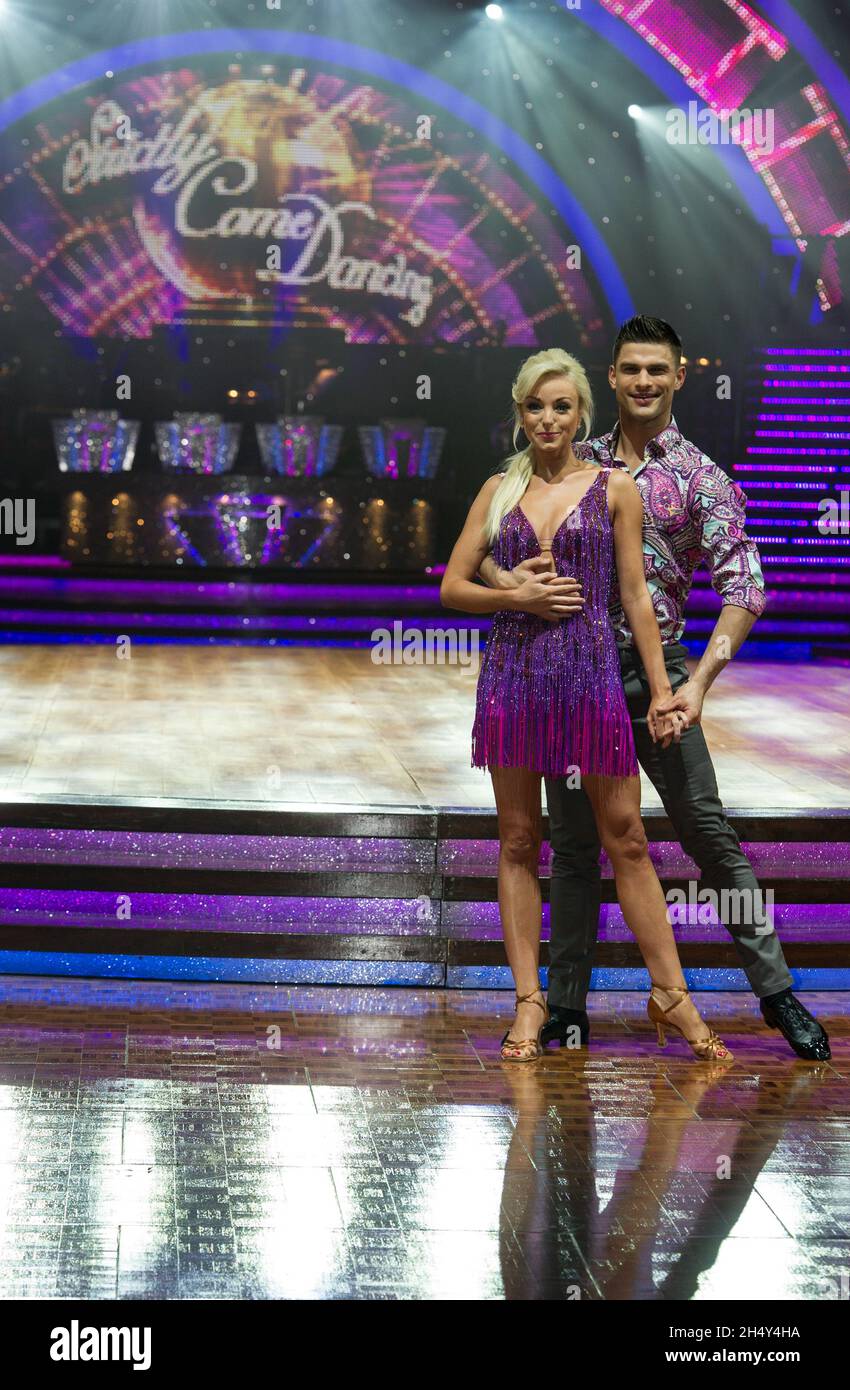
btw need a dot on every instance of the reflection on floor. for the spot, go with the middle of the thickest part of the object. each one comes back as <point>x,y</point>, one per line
<point>161,1141</point>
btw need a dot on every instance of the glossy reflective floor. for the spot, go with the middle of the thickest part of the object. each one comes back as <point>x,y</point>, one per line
<point>162,1141</point>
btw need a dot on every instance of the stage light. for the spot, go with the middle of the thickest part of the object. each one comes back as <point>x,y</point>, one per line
<point>635,112</point>
<point>494,12</point>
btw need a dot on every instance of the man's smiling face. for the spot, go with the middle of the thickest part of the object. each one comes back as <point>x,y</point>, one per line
<point>645,378</point>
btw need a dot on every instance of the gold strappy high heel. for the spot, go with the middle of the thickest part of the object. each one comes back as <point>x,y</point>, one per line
<point>710,1049</point>
<point>527,1042</point>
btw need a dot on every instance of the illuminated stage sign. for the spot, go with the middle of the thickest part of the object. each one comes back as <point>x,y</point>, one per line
<point>191,168</point>
<point>191,196</point>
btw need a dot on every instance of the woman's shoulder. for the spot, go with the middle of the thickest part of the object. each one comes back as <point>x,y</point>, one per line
<point>491,484</point>
<point>485,494</point>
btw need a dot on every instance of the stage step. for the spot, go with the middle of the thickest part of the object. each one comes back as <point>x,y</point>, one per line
<point>337,894</point>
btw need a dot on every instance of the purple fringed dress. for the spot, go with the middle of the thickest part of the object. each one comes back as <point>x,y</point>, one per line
<point>550,695</point>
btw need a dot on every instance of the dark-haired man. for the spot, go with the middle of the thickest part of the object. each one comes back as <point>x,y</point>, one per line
<point>693,512</point>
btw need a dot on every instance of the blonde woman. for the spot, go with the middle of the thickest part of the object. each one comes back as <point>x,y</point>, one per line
<point>550,698</point>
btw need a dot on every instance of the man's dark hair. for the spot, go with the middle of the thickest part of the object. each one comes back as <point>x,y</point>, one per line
<point>643,328</point>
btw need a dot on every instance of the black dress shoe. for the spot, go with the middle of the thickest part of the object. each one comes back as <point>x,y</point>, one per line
<point>805,1035</point>
<point>562,1025</point>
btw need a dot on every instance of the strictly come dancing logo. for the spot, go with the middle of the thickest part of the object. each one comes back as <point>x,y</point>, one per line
<point>231,198</point>
<point>281,196</point>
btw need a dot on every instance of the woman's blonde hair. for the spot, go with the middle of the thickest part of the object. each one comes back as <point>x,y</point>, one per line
<point>519,468</point>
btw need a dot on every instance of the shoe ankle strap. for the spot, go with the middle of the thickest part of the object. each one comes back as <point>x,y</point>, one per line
<point>682,991</point>
<point>523,998</point>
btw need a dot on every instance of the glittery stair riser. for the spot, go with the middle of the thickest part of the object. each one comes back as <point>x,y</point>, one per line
<point>318,972</point>
<point>224,912</point>
<point>795,859</point>
<point>372,973</point>
<point>400,867</point>
<point>471,921</point>
<point>697,978</point>
<point>476,921</point>
<point>261,853</point>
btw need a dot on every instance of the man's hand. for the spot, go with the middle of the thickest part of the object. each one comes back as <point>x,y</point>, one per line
<point>493,576</point>
<point>664,728</point>
<point>534,568</point>
<point>688,699</point>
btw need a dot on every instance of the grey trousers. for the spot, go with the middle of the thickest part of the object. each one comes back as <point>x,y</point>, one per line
<point>684,777</point>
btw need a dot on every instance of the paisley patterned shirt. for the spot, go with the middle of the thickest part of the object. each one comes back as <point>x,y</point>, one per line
<point>693,512</point>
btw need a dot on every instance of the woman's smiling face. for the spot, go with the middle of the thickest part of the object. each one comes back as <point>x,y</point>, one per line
<point>550,414</point>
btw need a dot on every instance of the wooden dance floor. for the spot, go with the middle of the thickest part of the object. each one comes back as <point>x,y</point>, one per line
<point>327,726</point>
<point>155,1146</point>
<point>260,1086</point>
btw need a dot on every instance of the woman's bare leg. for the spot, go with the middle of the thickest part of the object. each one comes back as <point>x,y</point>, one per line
<point>616,806</point>
<point>518,805</point>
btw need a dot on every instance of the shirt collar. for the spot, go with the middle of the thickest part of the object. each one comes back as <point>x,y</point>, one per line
<point>656,448</point>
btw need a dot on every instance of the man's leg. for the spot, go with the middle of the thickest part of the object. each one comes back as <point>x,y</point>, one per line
<point>683,775</point>
<point>575,893</point>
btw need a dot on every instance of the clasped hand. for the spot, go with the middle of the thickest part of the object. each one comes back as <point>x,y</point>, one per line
<point>539,590</point>
<point>665,725</point>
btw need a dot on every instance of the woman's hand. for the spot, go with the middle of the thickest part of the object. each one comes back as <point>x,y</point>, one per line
<point>688,698</point>
<point>665,727</point>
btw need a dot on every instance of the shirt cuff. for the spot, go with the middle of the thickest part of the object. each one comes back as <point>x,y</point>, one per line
<point>751,598</point>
